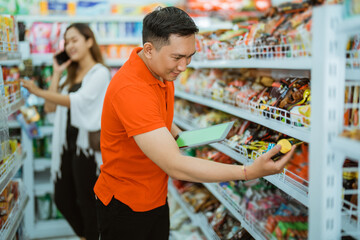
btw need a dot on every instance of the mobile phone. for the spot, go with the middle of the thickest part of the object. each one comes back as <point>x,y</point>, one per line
<point>62,57</point>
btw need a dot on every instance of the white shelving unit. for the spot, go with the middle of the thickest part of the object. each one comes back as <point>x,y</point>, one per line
<point>119,40</point>
<point>283,181</point>
<point>349,25</point>
<point>349,147</point>
<point>197,219</point>
<point>327,216</point>
<point>246,221</point>
<point>12,223</point>
<point>10,58</point>
<point>298,132</point>
<point>37,177</point>
<point>42,164</point>
<point>70,19</point>
<point>10,163</point>
<point>39,59</point>
<point>302,63</point>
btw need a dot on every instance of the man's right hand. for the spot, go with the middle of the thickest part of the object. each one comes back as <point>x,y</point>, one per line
<point>264,165</point>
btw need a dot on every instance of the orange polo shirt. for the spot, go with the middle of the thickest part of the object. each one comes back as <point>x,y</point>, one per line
<point>135,103</point>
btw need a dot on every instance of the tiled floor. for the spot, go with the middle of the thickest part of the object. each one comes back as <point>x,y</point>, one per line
<point>63,238</point>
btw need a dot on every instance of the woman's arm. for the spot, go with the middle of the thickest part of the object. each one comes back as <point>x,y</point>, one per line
<point>53,97</point>
<point>54,86</point>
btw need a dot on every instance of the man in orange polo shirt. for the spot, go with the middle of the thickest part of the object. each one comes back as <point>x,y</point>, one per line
<point>137,135</point>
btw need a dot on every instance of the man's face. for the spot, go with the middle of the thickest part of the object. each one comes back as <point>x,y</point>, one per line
<point>170,60</point>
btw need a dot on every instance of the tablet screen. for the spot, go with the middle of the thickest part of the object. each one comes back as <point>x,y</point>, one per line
<point>204,136</point>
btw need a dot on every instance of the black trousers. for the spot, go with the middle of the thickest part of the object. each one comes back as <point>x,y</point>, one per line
<point>74,195</point>
<point>119,221</point>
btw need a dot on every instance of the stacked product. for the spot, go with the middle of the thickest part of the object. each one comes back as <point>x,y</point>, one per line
<point>352,54</point>
<point>352,111</point>
<point>11,84</point>
<point>46,208</point>
<point>266,205</point>
<point>247,138</point>
<point>201,200</point>
<point>284,33</point>
<point>8,198</point>
<point>8,34</point>
<point>73,7</point>
<point>48,37</point>
<point>181,227</point>
<point>286,99</point>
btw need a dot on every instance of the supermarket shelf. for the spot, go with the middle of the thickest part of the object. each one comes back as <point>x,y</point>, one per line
<point>41,164</point>
<point>120,40</point>
<point>348,223</point>
<point>43,186</point>
<point>297,132</point>
<point>39,59</point>
<point>350,25</point>
<point>9,168</point>
<point>235,209</point>
<point>348,147</point>
<point>185,206</point>
<point>291,63</point>
<point>52,228</point>
<point>115,62</point>
<point>198,219</point>
<point>46,130</point>
<point>14,124</point>
<point>353,75</point>
<point>13,107</point>
<point>12,224</point>
<point>66,18</point>
<point>282,181</point>
<point>10,58</point>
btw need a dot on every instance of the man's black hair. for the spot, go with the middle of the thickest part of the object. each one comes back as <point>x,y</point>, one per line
<point>162,22</point>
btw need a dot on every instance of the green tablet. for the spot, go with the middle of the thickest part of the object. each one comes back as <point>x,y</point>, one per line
<point>204,136</point>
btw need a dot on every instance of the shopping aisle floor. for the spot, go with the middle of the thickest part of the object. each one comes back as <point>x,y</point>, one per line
<point>63,238</point>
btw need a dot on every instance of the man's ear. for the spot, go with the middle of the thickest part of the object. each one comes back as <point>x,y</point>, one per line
<point>148,50</point>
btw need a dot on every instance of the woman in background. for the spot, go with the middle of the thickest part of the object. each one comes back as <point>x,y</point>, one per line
<point>77,99</point>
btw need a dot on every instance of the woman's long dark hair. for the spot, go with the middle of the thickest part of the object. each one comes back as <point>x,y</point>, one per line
<point>84,30</point>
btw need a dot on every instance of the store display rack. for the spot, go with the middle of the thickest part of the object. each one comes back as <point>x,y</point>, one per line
<point>348,222</point>
<point>286,56</point>
<point>327,151</point>
<point>11,225</point>
<point>42,164</point>
<point>10,58</point>
<point>119,40</point>
<point>351,148</point>
<point>197,219</point>
<point>284,181</point>
<point>10,167</point>
<point>246,220</point>
<point>253,115</point>
<point>39,59</point>
<point>353,65</point>
<point>37,178</point>
<point>254,63</point>
<point>349,25</point>
<point>60,18</point>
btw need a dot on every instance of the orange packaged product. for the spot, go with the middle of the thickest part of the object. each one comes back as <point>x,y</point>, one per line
<point>7,205</point>
<point>112,51</point>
